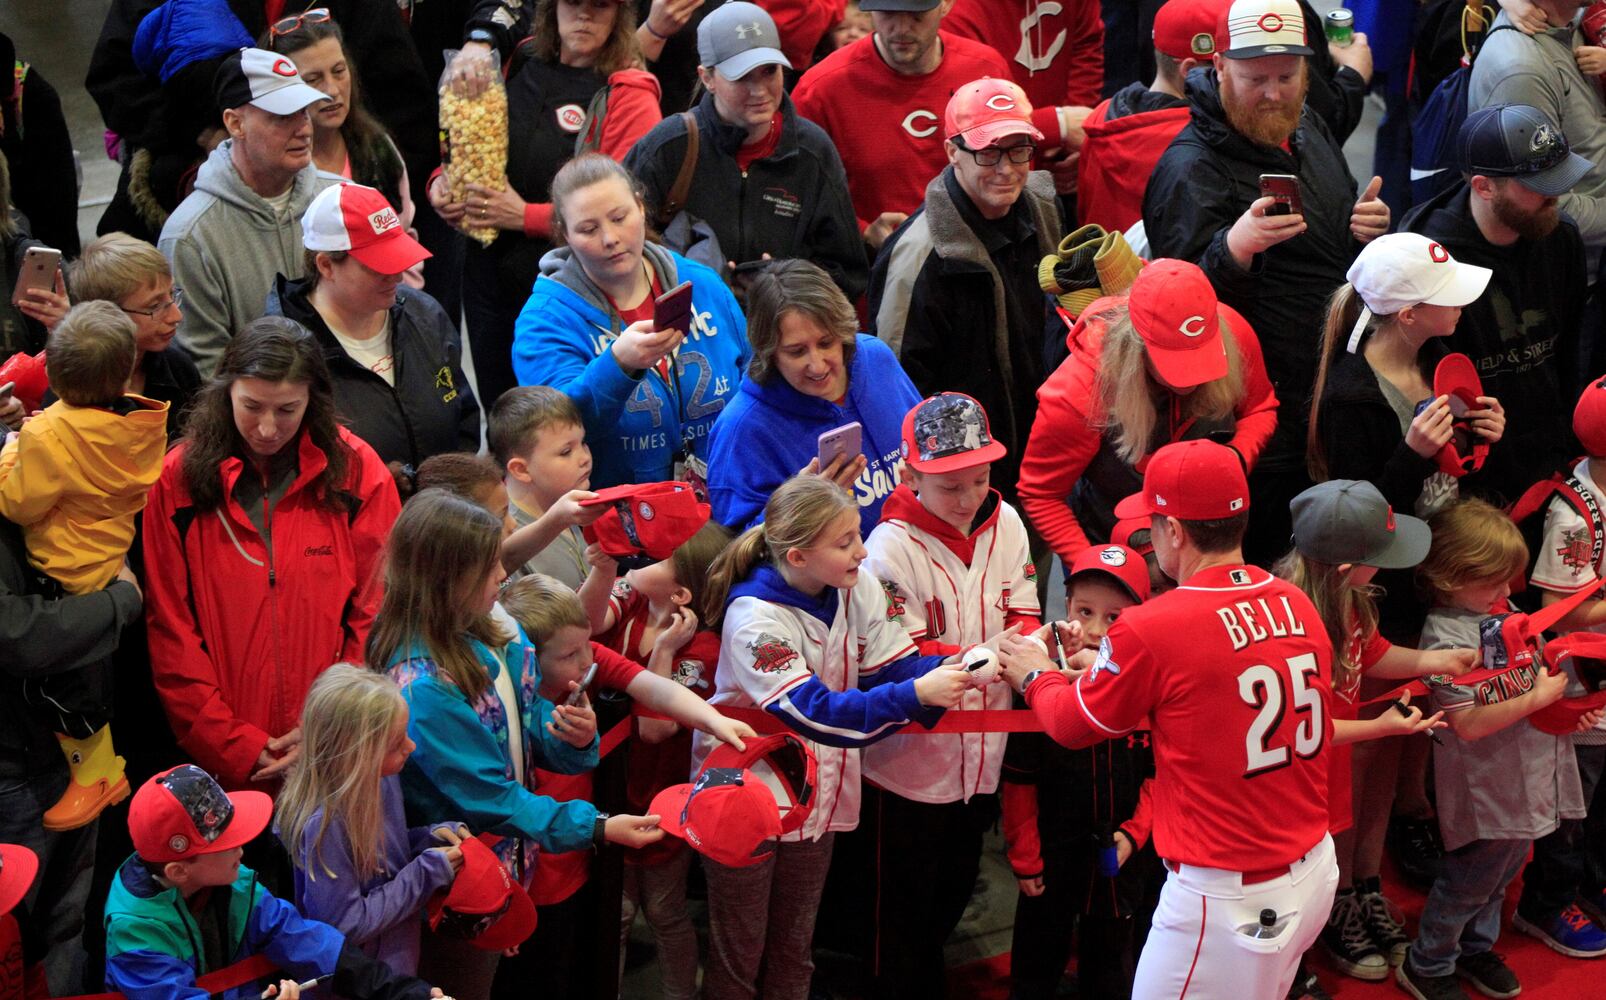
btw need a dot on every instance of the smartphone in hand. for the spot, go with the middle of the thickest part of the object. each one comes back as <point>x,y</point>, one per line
<point>1284,188</point>
<point>672,310</point>
<point>39,266</point>
<point>847,440</point>
<point>585,684</point>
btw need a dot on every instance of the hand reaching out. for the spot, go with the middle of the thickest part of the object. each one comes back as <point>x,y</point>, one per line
<point>575,725</point>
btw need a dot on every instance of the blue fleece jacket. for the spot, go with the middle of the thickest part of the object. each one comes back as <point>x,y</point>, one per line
<point>635,423</point>
<point>885,701</point>
<point>463,764</point>
<point>180,32</point>
<point>770,431</point>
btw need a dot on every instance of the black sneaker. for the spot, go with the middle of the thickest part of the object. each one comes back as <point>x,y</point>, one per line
<point>1428,987</point>
<point>1348,941</point>
<point>1306,986</point>
<point>1415,846</point>
<point>1382,920</point>
<point>1489,975</point>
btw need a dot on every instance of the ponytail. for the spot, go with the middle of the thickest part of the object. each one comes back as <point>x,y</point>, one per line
<point>738,560</point>
<point>1343,310</point>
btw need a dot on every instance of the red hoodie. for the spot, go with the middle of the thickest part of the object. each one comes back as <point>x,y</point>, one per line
<point>1055,49</point>
<point>1118,156</point>
<point>1066,435</point>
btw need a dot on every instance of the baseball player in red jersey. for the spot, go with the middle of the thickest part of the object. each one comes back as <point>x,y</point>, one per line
<point>1231,671</point>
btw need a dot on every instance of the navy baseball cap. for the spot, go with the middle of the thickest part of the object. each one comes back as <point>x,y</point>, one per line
<point>1515,140</point>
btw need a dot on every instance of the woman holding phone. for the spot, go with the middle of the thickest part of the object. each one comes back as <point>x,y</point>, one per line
<point>650,346</point>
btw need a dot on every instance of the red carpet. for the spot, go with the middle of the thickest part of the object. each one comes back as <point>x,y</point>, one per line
<point>1544,974</point>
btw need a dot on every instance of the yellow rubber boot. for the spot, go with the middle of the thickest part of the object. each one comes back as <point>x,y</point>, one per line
<point>97,781</point>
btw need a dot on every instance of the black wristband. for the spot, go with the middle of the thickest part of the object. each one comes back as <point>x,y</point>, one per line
<point>599,835</point>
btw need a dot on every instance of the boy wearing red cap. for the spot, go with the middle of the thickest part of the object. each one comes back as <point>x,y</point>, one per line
<point>1074,818</point>
<point>954,561</point>
<point>183,906</point>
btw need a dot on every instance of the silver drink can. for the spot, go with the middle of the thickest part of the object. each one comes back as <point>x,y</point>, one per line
<point>1340,27</point>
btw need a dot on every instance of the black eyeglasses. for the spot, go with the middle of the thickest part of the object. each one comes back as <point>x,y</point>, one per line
<point>994,155</point>
<point>174,301</point>
<point>285,25</point>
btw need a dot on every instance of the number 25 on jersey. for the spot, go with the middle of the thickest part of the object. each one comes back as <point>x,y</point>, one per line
<point>1264,689</point>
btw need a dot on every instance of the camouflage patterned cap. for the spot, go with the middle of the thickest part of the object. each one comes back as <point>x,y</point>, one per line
<point>948,432</point>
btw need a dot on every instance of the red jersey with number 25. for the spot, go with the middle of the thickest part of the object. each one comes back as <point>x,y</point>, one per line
<point>1233,668</point>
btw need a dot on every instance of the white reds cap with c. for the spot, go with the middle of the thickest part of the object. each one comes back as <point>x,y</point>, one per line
<point>1258,28</point>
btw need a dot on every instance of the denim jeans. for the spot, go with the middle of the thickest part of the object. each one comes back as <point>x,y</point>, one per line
<point>1462,914</point>
<point>60,894</point>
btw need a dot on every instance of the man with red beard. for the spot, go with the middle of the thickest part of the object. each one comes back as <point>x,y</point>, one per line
<point>1204,204</point>
<point>1522,333</point>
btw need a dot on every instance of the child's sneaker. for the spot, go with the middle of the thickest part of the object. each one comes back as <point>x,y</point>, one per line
<point>1489,975</point>
<point>1415,846</point>
<point>1428,987</point>
<point>1348,942</point>
<point>1382,922</point>
<point>1595,906</point>
<point>98,781</point>
<point>1572,933</point>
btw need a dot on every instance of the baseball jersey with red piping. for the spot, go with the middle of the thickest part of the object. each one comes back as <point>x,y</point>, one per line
<point>940,596</point>
<point>888,127</point>
<point>768,649</point>
<point>1233,668</point>
<point>1055,49</point>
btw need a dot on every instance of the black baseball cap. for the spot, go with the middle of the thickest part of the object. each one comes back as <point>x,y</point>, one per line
<point>1515,140</point>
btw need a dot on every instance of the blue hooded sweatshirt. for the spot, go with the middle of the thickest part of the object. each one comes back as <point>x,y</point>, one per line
<point>770,431</point>
<point>885,701</point>
<point>180,32</point>
<point>635,425</point>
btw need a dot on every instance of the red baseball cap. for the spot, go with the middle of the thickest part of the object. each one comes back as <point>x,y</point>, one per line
<point>986,110</point>
<point>786,758</point>
<point>1186,29</point>
<point>1586,650</point>
<point>1196,480</point>
<point>1174,309</point>
<point>1457,377</point>
<point>948,432</point>
<point>650,519</point>
<point>484,906</point>
<point>727,814</point>
<point>18,866</point>
<point>360,221</point>
<point>183,813</point>
<point>1134,534</point>
<point>1129,568</point>
<point>1589,418</point>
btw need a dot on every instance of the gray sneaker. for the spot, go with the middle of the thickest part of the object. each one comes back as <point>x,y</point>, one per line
<point>1489,975</point>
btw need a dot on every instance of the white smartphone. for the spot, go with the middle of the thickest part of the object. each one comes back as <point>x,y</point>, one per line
<point>839,441</point>
<point>39,266</point>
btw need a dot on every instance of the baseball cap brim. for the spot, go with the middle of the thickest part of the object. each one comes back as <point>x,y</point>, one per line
<point>1132,575</point>
<point>1256,51</point>
<point>1463,288</point>
<point>964,460</point>
<point>1136,505</point>
<point>514,926</point>
<point>289,100</point>
<point>743,63</point>
<point>252,813</point>
<point>1409,547</point>
<point>18,866</point>
<point>984,135</point>
<point>1554,182</point>
<point>668,805</point>
<point>392,255</point>
<point>1562,717</point>
<point>1186,369</point>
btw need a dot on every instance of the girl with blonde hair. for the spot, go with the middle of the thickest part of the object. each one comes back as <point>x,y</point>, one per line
<point>358,866</point>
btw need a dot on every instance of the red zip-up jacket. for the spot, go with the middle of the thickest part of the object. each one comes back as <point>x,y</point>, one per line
<point>1067,432</point>
<point>240,628</point>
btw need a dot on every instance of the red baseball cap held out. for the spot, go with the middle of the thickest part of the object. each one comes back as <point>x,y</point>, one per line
<point>1128,567</point>
<point>484,906</point>
<point>731,812</point>
<point>360,221</point>
<point>987,110</point>
<point>1195,480</point>
<point>183,813</point>
<point>1174,309</point>
<point>646,519</point>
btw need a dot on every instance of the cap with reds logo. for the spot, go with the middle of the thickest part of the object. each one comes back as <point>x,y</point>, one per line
<point>183,813</point>
<point>1348,521</point>
<point>1258,28</point>
<point>1129,568</point>
<point>646,519</point>
<point>1186,29</point>
<point>1408,269</point>
<point>1196,480</point>
<point>984,111</point>
<point>263,80</point>
<point>1173,308</point>
<point>948,432</point>
<point>360,221</point>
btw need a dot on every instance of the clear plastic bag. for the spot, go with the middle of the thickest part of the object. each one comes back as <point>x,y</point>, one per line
<point>474,137</point>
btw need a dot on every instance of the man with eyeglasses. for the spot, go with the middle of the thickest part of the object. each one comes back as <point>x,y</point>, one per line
<point>954,291</point>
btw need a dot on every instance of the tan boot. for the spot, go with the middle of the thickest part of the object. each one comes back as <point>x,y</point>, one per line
<point>97,781</point>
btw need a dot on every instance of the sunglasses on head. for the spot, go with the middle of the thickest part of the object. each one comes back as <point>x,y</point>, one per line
<point>285,25</point>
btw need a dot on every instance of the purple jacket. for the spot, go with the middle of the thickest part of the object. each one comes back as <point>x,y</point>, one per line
<point>384,915</point>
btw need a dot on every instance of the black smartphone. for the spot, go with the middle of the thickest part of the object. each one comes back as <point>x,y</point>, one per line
<point>1284,188</point>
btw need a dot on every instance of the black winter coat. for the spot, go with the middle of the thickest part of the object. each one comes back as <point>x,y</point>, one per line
<point>1207,179</point>
<point>429,411</point>
<point>38,151</point>
<point>793,203</point>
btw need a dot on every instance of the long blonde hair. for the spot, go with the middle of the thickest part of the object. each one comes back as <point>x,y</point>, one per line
<point>1343,310</point>
<point>1344,608</point>
<point>345,733</point>
<point>441,549</point>
<point>1129,415</point>
<point>797,512</point>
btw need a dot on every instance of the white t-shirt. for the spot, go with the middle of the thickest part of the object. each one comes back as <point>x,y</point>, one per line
<point>280,203</point>
<point>374,353</point>
<point>510,701</point>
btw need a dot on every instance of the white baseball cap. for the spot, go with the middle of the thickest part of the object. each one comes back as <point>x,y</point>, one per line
<point>263,80</point>
<point>1258,28</point>
<point>1408,269</point>
<point>361,222</point>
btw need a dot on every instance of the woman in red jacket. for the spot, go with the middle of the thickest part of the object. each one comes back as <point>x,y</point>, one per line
<point>262,537</point>
<point>1165,363</point>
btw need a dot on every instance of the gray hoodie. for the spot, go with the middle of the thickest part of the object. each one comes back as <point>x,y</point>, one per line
<point>226,243</point>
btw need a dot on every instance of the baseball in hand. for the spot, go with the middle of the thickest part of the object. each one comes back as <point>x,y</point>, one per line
<point>982,663</point>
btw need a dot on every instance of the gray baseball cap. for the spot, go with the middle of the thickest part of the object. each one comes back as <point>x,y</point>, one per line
<point>1348,521</point>
<point>737,38</point>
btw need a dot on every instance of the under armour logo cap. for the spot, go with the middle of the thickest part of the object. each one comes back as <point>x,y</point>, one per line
<point>737,38</point>
<point>1258,28</point>
<point>263,80</point>
<point>1195,480</point>
<point>1173,308</point>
